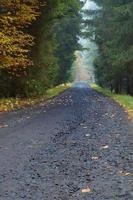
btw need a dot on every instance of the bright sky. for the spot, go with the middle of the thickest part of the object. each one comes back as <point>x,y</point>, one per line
<point>90,5</point>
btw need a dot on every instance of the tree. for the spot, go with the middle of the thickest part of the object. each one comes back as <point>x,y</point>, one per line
<point>67,35</point>
<point>112,26</point>
<point>37,50</point>
<point>15,42</point>
<point>56,34</point>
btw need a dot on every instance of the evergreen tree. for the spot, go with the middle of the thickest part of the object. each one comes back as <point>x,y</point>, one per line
<point>112,26</point>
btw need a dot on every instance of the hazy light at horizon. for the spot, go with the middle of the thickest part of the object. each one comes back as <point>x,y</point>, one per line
<point>90,5</point>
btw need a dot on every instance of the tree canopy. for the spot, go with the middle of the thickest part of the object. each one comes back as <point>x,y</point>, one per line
<point>111,27</point>
<point>38,39</point>
<point>15,42</point>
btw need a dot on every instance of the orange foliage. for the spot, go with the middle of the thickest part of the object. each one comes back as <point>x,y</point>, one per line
<point>15,42</point>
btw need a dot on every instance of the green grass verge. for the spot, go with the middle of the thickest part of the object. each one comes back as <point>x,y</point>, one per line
<point>8,104</point>
<point>124,100</point>
<point>57,90</point>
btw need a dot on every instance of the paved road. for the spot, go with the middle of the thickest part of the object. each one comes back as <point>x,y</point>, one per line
<point>78,146</point>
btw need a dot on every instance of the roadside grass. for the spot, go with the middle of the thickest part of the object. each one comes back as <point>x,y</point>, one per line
<point>8,104</point>
<point>57,90</point>
<point>124,100</point>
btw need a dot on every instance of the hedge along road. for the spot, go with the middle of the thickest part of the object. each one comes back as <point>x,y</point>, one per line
<point>78,146</point>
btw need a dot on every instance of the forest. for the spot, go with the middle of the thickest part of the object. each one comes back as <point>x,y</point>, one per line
<point>38,41</point>
<point>111,28</point>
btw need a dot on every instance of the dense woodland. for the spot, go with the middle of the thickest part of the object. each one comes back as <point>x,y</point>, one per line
<point>38,40</point>
<point>111,27</point>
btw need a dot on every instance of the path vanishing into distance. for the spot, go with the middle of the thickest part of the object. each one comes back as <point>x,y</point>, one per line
<point>77,146</point>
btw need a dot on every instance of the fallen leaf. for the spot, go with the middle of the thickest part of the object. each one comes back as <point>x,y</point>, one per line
<point>86,190</point>
<point>28,117</point>
<point>125,173</point>
<point>87,135</point>
<point>85,127</point>
<point>105,147</point>
<point>3,125</point>
<point>81,124</point>
<point>128,174</point>
<point>94,158</point>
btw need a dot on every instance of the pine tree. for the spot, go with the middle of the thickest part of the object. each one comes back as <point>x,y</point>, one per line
<point>112,26</point>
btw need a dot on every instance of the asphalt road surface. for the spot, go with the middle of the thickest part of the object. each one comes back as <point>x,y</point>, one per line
<point>78,146</point>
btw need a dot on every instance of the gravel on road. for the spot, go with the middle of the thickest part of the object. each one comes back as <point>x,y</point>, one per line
<point>78,146</point>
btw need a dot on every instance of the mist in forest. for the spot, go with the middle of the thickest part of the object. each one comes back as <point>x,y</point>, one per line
<point>83,68</point>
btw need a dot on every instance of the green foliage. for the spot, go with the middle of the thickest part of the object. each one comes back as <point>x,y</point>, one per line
<point>66,34</point>
<point>40,50</point>
<point>56,35</point>
<point>112,26</point>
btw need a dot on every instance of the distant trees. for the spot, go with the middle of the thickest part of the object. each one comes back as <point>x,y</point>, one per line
<point>67,36</point>
<point>56,39</point>
<point>112,28</point>
<point>38,39</point>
